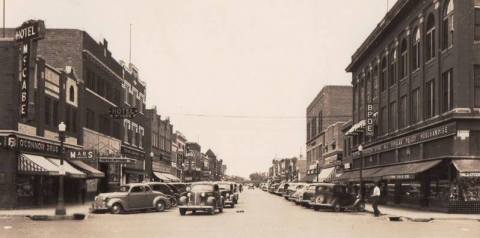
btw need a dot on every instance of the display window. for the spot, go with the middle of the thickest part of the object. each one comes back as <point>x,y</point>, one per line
<point>468,189</point>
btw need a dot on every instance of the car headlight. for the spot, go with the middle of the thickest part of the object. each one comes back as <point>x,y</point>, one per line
<point>189,195</point>
<point>202,195</point>
<point>228,194</point>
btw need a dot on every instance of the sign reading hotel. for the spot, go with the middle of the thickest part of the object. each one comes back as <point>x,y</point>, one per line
<point>369,128</point>
<point>425,135</point>
<point>123,112</point>
<point>27,36</point>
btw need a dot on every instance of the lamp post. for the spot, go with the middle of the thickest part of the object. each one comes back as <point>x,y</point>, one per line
<point>360,151</point>
<point>60,209</point>
<point>151,162</point>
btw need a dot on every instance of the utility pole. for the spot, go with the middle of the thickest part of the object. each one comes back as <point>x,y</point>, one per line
<point>4,18</point>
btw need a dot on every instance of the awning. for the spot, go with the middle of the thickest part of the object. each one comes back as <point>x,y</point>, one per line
<point>36,165</point>
<point>117,160</point>
<point>468,167</point>
<point>406,171</point>
<point>89,170</point>
<point>309,178</point>
<point>356,128</point>
<point>173,178</point>
<point>162,176</point>
<point>326,175</point>
<point>367,174</point>
<point>70,171</point>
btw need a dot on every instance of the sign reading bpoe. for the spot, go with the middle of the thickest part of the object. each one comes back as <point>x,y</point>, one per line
<point>369,129</point>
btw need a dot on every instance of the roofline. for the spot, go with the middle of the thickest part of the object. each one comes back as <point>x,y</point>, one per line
<point>325,88</point>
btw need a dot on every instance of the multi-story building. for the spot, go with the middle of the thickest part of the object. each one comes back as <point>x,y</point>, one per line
<point>331,106</point>
<point>178,154</point>
<point>284,169</point>
<point>193,162</point>
<point>419,72</point>
<point>212,165</point>
<point>160,144</point>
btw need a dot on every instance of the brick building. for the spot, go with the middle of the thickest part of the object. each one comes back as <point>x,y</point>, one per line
<point>420,70</point>
<point>193,162</point>
<point>331,105</point>
<point>178,154</point>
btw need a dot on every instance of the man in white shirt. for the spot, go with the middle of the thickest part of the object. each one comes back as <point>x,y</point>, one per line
<point>375,198</point>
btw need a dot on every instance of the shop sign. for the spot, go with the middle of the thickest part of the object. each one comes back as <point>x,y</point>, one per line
<point>32,146</point>
<point>91,185</point>
<point>399,177</point>
<point>132,153</point>
<point>370,124</point>
<point>24,79</point>
<point>470,174</point>
<point>123,112</point>
<point>81,154</point>
<point>159,167</point>
<point>426,135</point>
<point>116,160</point>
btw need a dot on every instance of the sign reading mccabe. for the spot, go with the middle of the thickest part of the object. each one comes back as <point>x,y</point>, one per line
<point>429,134</point>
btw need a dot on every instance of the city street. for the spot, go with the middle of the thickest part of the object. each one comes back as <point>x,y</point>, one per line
<point>258,214</point>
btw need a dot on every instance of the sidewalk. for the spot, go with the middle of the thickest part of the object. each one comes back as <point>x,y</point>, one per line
<point>71,209</point>
<point>416,214</point>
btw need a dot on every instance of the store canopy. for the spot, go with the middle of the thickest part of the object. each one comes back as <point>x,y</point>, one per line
<point>69,169</point>
<point>358,127</point>
<point>406,171</point>
<point>326,175</point>
<point>37,165</point>
<point>367,174</point>
<point>468,167</point>
<point>163,176</point>
<point>89,170</point>
<point>173,178</point>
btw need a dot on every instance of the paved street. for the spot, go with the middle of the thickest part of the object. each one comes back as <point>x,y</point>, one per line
<point>258,214</point>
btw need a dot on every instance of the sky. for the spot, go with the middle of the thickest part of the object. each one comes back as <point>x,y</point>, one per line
<point>234,75</point>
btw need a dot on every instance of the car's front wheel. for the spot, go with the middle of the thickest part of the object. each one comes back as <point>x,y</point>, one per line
<point>160,206</point>
<point>182,212</point>
<point>211,211</point>
<point>174,202</point>
<point>116,208</point>
<point>337,207</point>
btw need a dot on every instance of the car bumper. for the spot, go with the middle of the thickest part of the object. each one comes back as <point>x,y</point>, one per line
<point>198,207</point>
<point>99,207</point>
<point>314,204</point>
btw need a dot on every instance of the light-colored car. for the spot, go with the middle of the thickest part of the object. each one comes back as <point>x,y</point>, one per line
<point>131,197</point>
<point>202,196</point>
<point>297,191</point>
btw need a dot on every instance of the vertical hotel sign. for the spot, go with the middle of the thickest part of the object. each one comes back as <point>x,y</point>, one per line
<point>26,37</point>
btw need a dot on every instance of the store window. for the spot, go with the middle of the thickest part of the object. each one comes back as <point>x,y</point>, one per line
<point>468,189</point>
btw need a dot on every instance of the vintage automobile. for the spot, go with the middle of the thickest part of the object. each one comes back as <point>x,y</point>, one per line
<point>292,194</point>
<point>280,189</point>
<point>290,188</point>
<point>180,187</point>
<point>167,190</point>
<point>227,191</point>
<point>309,192</point>
<point>131,197</point>
<point>202,196</point>
<point>333,196</point>
<point>273,187</point>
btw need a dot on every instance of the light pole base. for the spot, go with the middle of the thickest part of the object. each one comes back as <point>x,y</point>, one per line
<point>60,211</point>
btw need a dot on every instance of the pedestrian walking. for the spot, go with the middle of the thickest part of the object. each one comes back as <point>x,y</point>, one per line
<point>375,199</point>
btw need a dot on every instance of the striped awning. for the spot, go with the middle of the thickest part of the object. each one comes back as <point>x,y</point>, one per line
<point>70,171</point>
<point>89,170</point>
<point>326,175</point>
<point>36,165</point>
<point>355,129</point>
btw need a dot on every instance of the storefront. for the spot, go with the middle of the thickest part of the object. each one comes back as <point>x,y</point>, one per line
<point>133,172</point>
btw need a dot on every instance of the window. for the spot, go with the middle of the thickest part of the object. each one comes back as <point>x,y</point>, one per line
<point>100,87</point>
<point>392,116</point>
<point>116,130</point>
<point>74,121</point>
<point>447,24</point>
<point>476,76</point>
<point>430,99</point>
<point>72,94</point>
<point>90,80</point>
<point>47,111</point>
<point>430,37</point>
<point>320,121</point>
<point>477,24</point>
<point>105,125</point>
<point>375,82</point>
<point>55,113</point>
<point>90,119</point>
<point>447,91</point>
<point>384,120</point>
<point>383,75</point>
<point>108,91</point>
<point>415,108</point>
<point>403,59</point>
<point>361,94</point>
<point>402,112</point>
<point>314,127</point>
<point>416,49</point>
<point>369,88</point>
<point>392,76</point>
<point>126,129</point>
<point>308,131</point>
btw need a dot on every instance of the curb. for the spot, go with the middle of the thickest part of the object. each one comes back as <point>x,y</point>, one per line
<point>75,216</point>
<point>427,219</point>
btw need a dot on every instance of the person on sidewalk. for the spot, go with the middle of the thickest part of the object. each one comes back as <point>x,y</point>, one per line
<point>376,199</point>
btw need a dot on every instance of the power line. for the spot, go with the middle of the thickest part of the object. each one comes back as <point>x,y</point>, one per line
<point>255,117</point>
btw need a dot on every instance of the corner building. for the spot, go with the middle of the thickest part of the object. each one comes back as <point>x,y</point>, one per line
<point>420,70</point>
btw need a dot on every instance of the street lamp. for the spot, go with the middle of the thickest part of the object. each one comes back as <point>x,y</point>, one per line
<point>60,209</point>
<point>360,151</point>
<point>151,164</point>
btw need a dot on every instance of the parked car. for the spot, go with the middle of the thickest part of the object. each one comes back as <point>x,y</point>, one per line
<point>229,196</point>
<point>290,188</point>
<point>280,189</point>
<point>273,188</point>
<point>201,196</point>
<point>334,196</point>
<point>309,192</point>
<point>292,194</point>
<point>180,187</point>
<point>167,190</point>
<point>131,197</point>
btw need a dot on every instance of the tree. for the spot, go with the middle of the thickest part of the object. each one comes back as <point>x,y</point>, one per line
<point>258,177</point>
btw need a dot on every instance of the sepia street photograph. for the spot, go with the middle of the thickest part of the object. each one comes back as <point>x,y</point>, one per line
<point>240,118</point>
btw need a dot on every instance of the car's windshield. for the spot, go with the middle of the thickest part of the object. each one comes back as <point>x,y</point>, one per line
<point>224,186</point>
<point>123,188</point>
<point>202,188</point>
